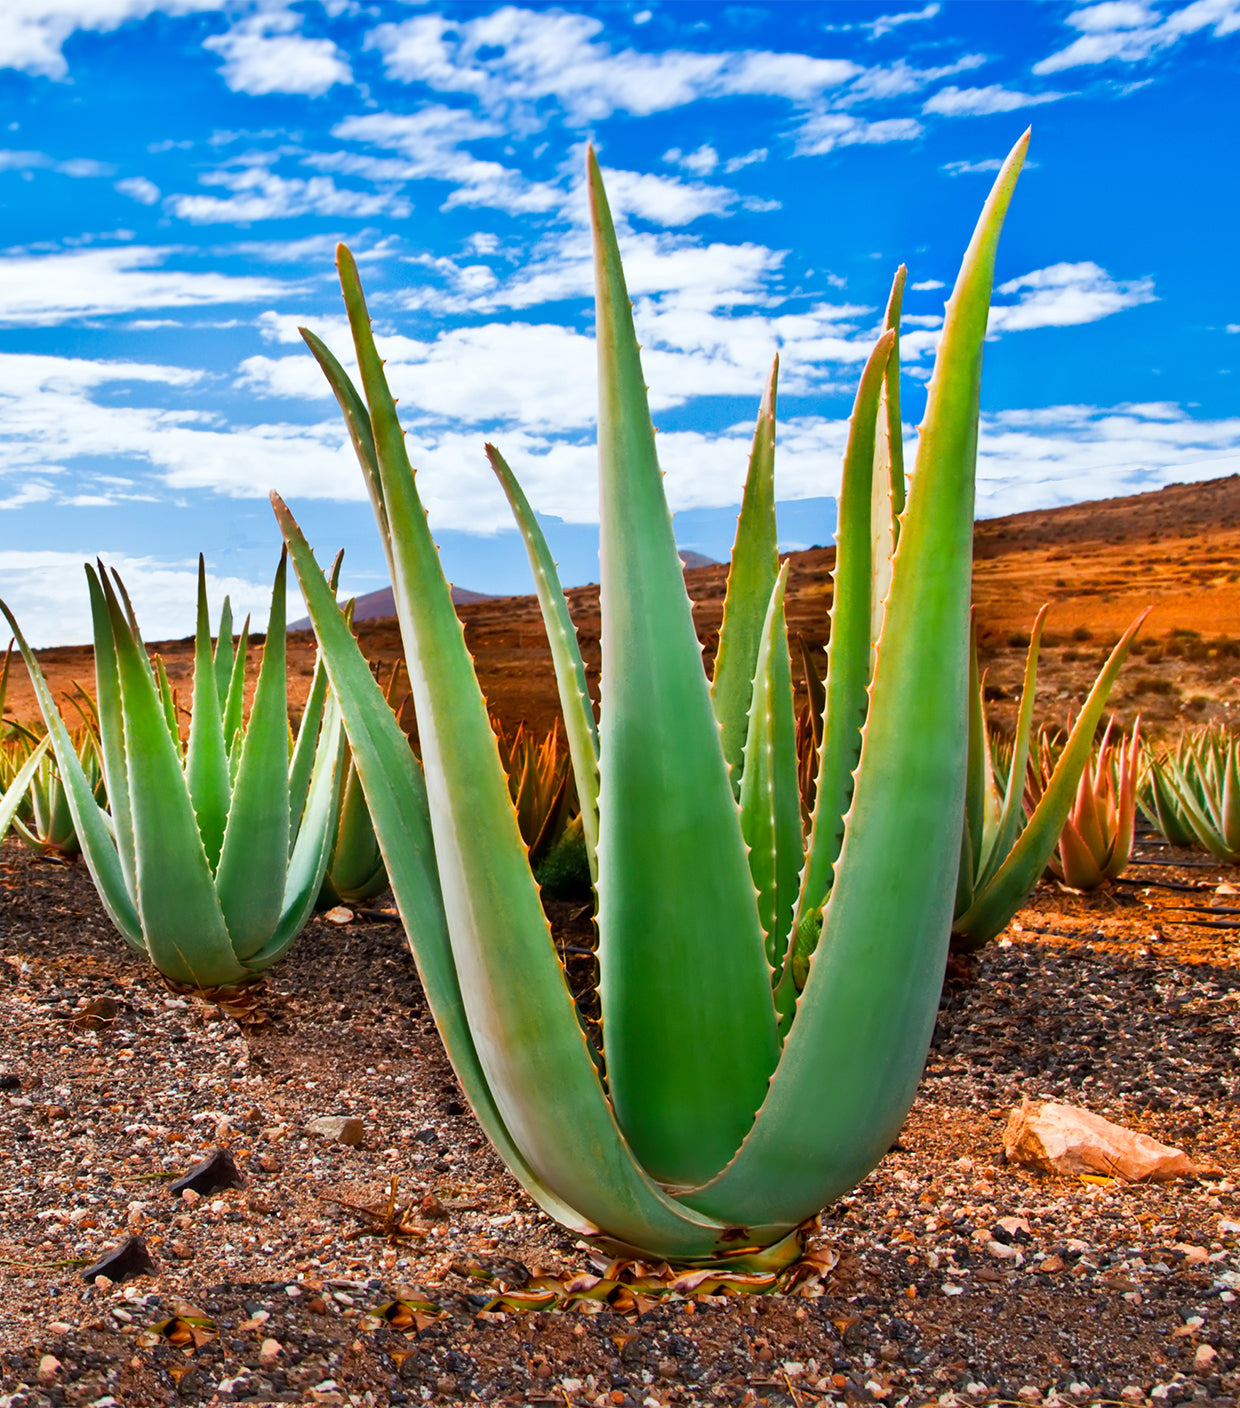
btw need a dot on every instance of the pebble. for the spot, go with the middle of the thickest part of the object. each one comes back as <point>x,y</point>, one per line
<point>343,1129</point>
<point>49,1367</point>
<point>270,1350</point>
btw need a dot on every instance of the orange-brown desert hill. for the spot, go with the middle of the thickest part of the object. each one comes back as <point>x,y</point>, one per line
<point>1097,564</point>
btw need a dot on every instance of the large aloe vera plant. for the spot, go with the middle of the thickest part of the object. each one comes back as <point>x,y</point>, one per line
<point>202,863</point>
<point>767,1002</point>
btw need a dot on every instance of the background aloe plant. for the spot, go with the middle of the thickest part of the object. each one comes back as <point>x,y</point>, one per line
<point>738,1090</point>
<point>202,863</point>
<point>1096,842</point>
<point>1192,792</point>
<point>1004,850</point>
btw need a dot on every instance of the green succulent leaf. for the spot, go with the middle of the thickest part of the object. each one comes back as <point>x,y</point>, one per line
<point>751,580</point>
<point>683,978</point>
<point>570,672</point>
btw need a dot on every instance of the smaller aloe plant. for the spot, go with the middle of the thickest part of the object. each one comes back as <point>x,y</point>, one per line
<point>544,794</point>
<point>16,776</point>
<point>207,863</point>
<point>44,821</point>
<point>355,871</point>
<point>1003,852</point>
<point>1096,842</point>
<point>1192,792</point>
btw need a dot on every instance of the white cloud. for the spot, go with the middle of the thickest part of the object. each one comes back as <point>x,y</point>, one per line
<point>259,194</point>
<point>76,167</point>
<point>514,58</point>
<point>1063,454</point>
<point>86,283</point>
<point>926,285</point>
<point>430,140</point>
<point>897,79</point>
<point>971,168</point>
<point>826,131</point>
<point>1112,14</point>
<point>33,32</point>
<point>664,200</point>
<point>140,189</point>
<point>738,163</point>
<point>1064,295</point>
<point>884,24</point>
<point>59,415</point>
<point>978,102</point>
<point>1129,32</point>
<point>701,162</point>
<point>265,53</point>
<point>46,590</point>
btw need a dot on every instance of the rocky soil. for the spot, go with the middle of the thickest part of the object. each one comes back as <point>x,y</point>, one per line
<point>948,1277</point>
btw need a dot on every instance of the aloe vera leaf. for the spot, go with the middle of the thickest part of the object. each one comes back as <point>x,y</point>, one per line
<point>977,775</point>
<point>520,1030</point>
<point>167,699</point>
<point>1205,827</point>
<point>570,671</point>
<point>848,650</point>
<point>1125,794</point>
<point>305,745</point>
<point>16,790</point>
<point>683,979</point>
<point>751,579</point>
<point>1080,863</point>
<point>181,920</point>
<point>1012,813</point>
<point>90,820</point>
<point>1006,890</point>
<point>888,490</point>
<point>1087,813</point>
<point>1230,809</point>
<point>361,433</point>
<point>222,656</point>
<point>112,733</point>
<point>770,797</point>
<point>558,1136</point>
<point>852,1060</point>
<point>251,873</point>
<point>816,694</point>
<point>304,748</point>
<point>307,863</point>
<point>234,698</point>
<point>355,862</point>
<point>206,758</point>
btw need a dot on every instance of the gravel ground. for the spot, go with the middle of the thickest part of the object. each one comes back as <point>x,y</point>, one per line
<point>948,1277</point>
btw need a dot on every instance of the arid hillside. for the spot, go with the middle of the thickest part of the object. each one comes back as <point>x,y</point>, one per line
<point>1097,565</point>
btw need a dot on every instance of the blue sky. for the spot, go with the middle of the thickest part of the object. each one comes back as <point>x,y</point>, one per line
<point>174,175</point>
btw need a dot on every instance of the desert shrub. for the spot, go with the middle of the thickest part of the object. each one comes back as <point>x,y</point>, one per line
<point>1153,684</point>
<point>1082,633</point>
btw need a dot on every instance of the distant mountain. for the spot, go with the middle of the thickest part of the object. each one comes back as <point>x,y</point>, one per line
<point>377,606</point>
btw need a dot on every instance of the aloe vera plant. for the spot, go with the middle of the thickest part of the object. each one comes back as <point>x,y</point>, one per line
<point>1193,792</point>
<point>202,863</point>
<point>766,1003</point>
<point>1004,852</point>
<point>1096,842</point>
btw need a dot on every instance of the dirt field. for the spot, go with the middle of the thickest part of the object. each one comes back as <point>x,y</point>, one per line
<point>949,1276</point>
